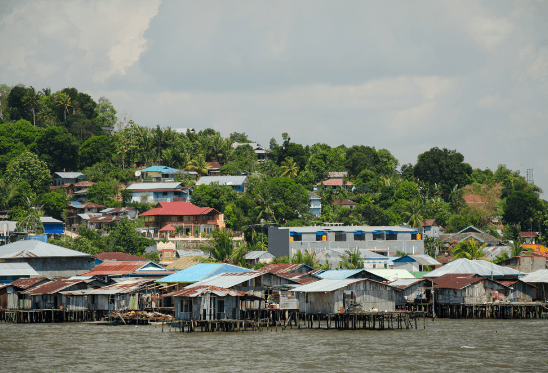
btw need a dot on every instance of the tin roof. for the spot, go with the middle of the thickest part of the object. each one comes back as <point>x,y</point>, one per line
<point>258,254</point>
<point>223,180</point>
<point>192,252</point>
<point>228,280</point>
<point>421,259</point>
<point>540,276</point>
<point>326,285</point>
<point>17,269</point>
<point>457,281</point>
<point>127,268</point>
<point>118,257</point>
<point>178,208</point>
<point>25,283</point>
<point>197,291</point>
<point>52,287</point>
<point>339,274</point>
<point>283,268</point>
<point>334,182</point>
<point>201,271</point>
<point>49,219</point>
<point>404,283</point>
<point>36,249</point>
<point>151,186</point>
<point>391,274</point>
<point>160,169</point>
<point>185,262</point>
<point>125,287</point>
<point>214,165</point>
<point>429,223</point>
<point>69,175</point>
<point>479,267</point>
<point>528,234</point>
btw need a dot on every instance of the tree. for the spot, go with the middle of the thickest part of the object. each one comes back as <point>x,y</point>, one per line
<point>352,259</point>
<point>29,168</point>
<point>58,148</point>
<point>288,200</point>
<point>213,195</point>
<point>443,167</point>
<point>101,192</point>
<point>408,191</point>
<point>289,168</point>
<point>31,101</point>
<point>222,247</point>
<point>8,191</point>
<point>55,203</point>
<point>469,249</point>
<point>413,213</point>
<point>96,149</point>
<point>519,206</point>
<point>124,238</point>
<point>63,101</point>
<point>105,112</point>
<point>359,158</point>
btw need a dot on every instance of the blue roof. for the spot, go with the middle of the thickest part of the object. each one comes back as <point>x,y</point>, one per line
<point>159,169</point>
<point>339,274</point>
<point>202,271</point>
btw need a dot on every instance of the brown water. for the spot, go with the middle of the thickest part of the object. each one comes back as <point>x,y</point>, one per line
<point>444,346</point>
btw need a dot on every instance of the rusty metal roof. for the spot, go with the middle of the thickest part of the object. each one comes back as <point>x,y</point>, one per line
<point>282,268</point>
<point>458,281</point>
<point>25,283</point>
<point>198,291</point>
<point>125,287</point>
<point>118,257</point>
<point>52,287</point>
<point>127,268</point>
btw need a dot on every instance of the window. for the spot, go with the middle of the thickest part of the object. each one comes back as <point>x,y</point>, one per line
<point>391,237</point>
<point>340,236</point>
<point>186,305</point>
<point>359,236</point>
<point>257,281</point>
<point>164,193</point>
<point>296,237</point>
<point>319,237</point>
<point>221,306</point>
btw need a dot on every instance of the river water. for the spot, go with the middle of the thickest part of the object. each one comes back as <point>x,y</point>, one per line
<point>444,346</point>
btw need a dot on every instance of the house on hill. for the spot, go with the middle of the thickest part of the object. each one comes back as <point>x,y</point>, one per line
<point>334,184</point>
<point>159,192</point>
<point>530,238</point>
<point>62,178</point>
<point>185,214</point>
<point>315,204</point>
<point>470,233</point>
<point>214,168</point>
<point>345,203</point>
<point>158,173</point>
<point>430,228</point>
<point>237,183</point>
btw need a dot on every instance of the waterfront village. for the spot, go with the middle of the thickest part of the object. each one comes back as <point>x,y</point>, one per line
<point>359,277</point>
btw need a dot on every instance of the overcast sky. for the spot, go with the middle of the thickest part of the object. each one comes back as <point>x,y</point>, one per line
<point>400,75</point>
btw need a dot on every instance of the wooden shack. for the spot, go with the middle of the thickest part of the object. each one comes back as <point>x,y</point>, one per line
<point>468,289</point>
<point>519,291</point>
<point>417,290</point>
<point>48,295</point>
<point>330,296</point>
<point>208,302</point>
<point>10,294</point>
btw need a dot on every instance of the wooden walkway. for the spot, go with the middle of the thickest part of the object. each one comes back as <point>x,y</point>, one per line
<point>507,310</point>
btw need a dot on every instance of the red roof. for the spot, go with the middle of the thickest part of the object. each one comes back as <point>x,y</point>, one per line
<point>474,199</point>
<point>334,182</point>
<point>52,286</point>
<point>25,283</point>
<point>116,268</point>
<point>167,228</point>
<point>429,223</point>
<point>344,202</point>
<point>456,281</point>
<point>83,184</point>
<point>118,257</point>
<point>204,289</point>
<point>214,164</point>
<point>528,234</point>
<point>178,208</point>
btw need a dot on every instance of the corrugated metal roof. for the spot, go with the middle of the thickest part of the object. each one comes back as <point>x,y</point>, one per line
<point>197,291</point>
<point>364,253</point>
<point>391,274</point>
<point>349,228</point>
<point>185,262</point>
<point>25,283</point>
<point>326,285</point>
<point>52,286</point>
<point>49,219</point>
<point>540,276</point>
<point>258,254</point>
<point>479,267</point>
<point>149,186</point>
<point>339,274</point>
<point>118,257</point>
<point>458,281</point>
<point>223,180</point>
<point>69,175</point>
<point>421,259</point>
<point>192,252</point>
<point>491,252</point>
<point>36,249</point>
<point>406,282</point>
<point>165,169</point>
<point>17,269</point>
<point>201,271</point>
<point>126,268</point>
<point>228,280</point>
<point>125,287</point>
<point>283,268</point>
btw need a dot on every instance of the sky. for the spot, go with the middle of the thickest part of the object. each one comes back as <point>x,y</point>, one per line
<point>401,75</point>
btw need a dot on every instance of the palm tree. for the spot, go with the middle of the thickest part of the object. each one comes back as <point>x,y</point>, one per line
<point>8,191</point>
<point>32,101</point>
<point>199,164</point>
<point>469,250</point>
<point>266,206</point>
<point>308,258</point>
<point>222,247</point>
<point>63,101</point>
<point>412,211</point>
<point>289,168</point>
<point>351,259</point>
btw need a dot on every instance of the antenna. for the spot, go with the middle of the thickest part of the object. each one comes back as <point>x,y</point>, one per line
<point>137,173</point>
<point>530,176</point>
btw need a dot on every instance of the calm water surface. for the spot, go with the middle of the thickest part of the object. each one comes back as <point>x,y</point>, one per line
<point>444,346</point>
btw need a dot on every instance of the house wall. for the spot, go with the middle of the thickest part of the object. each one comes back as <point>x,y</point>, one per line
<point>481,292</point>
<point>410,293</point>
<point>58,266</point>
<point>202,310</point>
<point>152,197</point>
<point>521,292</point>
<point>525,263</point>
<point>368,295</point>
<point>410,266</point>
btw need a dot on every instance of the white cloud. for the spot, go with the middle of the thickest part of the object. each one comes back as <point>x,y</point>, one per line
<point>539,67</point>
<point>490,32</point>
<point>493,102</point>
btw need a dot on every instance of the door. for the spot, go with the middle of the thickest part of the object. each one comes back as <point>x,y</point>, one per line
<point>212,308</point>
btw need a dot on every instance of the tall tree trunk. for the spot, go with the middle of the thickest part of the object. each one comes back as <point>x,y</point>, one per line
<point>65,113</point>
<point>33,117</point>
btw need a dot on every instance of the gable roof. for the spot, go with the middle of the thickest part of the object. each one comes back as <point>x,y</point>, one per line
<point>125,287</point>
<point>214,165</point>
<point>178,208</point>
<point>327,285</point>
<point>345,202</point>
<point>118,257</point>
<point>421,259</point>
<point>314,196</point>
<point>185,262</point>
<point>201,271</point>
<point>223,180</point>
<point>168,228</point>
<point>339,274</point>
<point>283,268</point>
<point>228,280</point>
<point>479,267</point>
<point>539,276</point>
<point>334,182</point>
<point>153,186</point>
<point>456,281</point>
<point>258,254</point>
<point>52,287</point>
<point>127,268</point>
<point>25,283</point>
<point>391,274</point>
<point>160,169</point>
<point>528,234</point>
<point>197,291</point>
<point>36,249</point>
<point>429,223</point>
<point>404,283</point>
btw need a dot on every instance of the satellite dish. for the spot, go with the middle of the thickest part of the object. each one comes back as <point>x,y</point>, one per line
<point>137,173</point>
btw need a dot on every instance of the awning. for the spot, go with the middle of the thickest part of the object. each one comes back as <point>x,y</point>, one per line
<point>320,233</point>
<point>391,232</point>
<point>376,232</point>
<point>359,232</point>
<point>295,234</point>
<point>415,232</point>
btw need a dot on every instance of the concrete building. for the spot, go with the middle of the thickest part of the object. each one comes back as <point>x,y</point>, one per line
<point>237,183</point>
<point>62,178</point>
<point>525,263</point>
<point>315,204</point>
<point>47,259</point>
<point>253,258</point>
<point>159,192</point>
<point>430,228</point>
<point>286,241</point>
<point>328,296</point>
